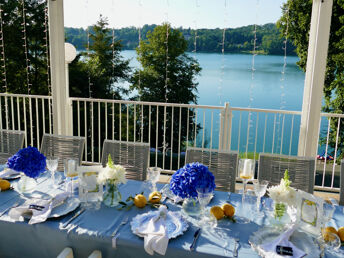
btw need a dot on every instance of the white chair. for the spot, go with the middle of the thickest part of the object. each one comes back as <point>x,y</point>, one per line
<point>95,254</point>
<point>66,253</point>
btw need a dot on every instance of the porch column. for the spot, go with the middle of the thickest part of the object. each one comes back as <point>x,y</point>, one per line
<point>60,92</point>
<point>315,76</point>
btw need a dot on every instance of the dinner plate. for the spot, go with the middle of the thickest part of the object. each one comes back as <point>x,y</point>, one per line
<point>175,223</point>
<point>301,240</point>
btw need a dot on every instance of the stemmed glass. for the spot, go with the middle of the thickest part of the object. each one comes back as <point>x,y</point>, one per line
<point>52,163</point>
<point>153,174</point>
<point>246,173</point>
<point>204,196</point>
<point>259,189</point>
<point>70,172</point>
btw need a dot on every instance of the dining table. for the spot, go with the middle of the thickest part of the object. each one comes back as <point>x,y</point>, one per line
<point>92,230</point>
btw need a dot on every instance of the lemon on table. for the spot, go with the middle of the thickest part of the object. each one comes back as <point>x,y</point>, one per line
<point>327,233</point>
<point>140,201</point>
<point>154,197</point>
<point>341,233</point>
<point>228,210</point>
<point>4,185</point>
<point>217,212</point>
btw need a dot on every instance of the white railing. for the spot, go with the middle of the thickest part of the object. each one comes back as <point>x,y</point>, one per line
<point>170,128</point>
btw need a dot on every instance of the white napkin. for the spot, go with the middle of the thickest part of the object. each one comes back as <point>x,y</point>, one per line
<point>8,172</point>
<point>154,233</point>
<point>269,249</point>
<point>38,216</point>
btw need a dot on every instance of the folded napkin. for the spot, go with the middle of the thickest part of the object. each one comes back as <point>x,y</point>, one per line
<point>154,233</point>
<point>269,249</point>
<point>38,215</point>
<point>8,172</point>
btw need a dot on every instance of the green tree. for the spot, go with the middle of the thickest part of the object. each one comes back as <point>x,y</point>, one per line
<point>299,25</point>
<point>173,81</point>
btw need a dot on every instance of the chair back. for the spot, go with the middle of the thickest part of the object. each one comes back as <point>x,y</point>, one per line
<point>301,170</point>
<point>133,156</point>
<point>341,185</point>
<point>223,165</point>
<point>11,142</point>
<point>63,147</point>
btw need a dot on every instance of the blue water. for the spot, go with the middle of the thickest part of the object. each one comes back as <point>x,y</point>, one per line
<point>229,79</point>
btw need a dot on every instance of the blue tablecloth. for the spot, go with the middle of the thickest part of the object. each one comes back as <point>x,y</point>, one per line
<point>92,230</point>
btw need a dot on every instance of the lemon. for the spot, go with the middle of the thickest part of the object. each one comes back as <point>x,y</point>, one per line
<point>154,197</point>
<point>327,233</point>
<point>228,210</point>
<point>4,185</point>
<point>341,233</point>
<point>140,201</point>
<point>217,212</point>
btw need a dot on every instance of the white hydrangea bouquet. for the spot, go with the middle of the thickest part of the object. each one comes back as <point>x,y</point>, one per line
<point>283,195</point>
<point>112,175</point>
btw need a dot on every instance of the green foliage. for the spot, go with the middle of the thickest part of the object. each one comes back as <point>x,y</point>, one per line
<point>299,25</point>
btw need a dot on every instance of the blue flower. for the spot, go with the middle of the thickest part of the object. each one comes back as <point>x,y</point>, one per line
<point>29,161</point>
<point>192,176</point>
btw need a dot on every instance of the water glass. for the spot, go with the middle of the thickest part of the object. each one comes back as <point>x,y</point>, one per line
<point>204,196</point>
<point>90,192</point>
<point>153,174</point>
<point>328,210</point>
<point>71,173</point>
<point>52,163</point>
<point>260,187</point>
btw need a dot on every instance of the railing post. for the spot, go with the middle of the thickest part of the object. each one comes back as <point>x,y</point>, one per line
<point>224,128</point>
<point>315,76</point>
<point>57,67</point>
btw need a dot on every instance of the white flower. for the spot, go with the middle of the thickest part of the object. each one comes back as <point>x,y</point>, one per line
<point>283,193</point>
<point>114,174</point>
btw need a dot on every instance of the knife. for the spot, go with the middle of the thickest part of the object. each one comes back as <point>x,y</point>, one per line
<point>75,215</point>
<point>196,235</point>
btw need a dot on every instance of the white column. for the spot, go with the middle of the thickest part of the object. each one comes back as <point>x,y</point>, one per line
<point>315,76</point>
<point>60,93</point>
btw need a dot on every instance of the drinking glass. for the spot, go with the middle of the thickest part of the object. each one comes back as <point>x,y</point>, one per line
<point>246,173</point>
<point>90,192</point>
<point>259,189</point>
<point>71,173</point>
<point>52,163</point>
<point>328,210</point>
<point>204,196</point>
<point>153,176</point>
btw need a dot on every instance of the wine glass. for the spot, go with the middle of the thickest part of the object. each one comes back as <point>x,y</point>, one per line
<point>52,163</point>
<point>153,176</point>
<point>246,173</point>
<point>259,189</point>
<point>204,196</point>
<point>70,172</point>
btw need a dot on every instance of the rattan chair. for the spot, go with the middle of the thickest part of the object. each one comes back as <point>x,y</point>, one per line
<point>10,143</point>
<point>301,170</point>
<point>63,147</point>
<point>341,185</point>
<point>134,156</point>
<point>223,164</point>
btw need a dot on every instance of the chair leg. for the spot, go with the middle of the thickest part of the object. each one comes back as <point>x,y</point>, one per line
<point>66,253</point>
<point>95,254</point>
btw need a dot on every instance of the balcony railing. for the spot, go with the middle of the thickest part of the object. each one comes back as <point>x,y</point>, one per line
<point>170,128</point>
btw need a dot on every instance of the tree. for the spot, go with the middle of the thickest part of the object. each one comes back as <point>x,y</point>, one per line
<point>173,81</point>
<point>299,25</point>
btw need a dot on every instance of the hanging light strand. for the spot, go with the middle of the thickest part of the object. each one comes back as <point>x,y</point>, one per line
<point>27,61</point>
<point>139,46</point>
<point>2,45</point>
<point>223,59</point>
<point>46,24</point>
<point>113,45</point>
<point>167,57</point>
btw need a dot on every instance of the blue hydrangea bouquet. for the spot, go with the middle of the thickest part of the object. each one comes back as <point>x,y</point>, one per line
<point>187,179</point>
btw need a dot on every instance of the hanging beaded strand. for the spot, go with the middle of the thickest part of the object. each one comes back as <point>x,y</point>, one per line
<point>194,51</point>
<point>2,45</point>
<point>47,46</point>
<point>222,71</point>
<point>27,61</point>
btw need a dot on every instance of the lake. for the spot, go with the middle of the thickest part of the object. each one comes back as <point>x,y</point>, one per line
<point>228,78</point>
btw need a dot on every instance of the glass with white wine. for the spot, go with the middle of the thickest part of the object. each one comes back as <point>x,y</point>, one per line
<point>246,173</point>
<point>70,172</point>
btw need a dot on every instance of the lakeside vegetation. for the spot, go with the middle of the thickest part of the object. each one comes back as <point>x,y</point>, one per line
<point>238,40</point>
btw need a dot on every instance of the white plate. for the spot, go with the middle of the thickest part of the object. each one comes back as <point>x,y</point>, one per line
<point>300,239</point>
<point>69,205</point>
<point>175,223</point>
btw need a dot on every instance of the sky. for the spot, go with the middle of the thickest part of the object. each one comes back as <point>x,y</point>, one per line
<point>186,13</point>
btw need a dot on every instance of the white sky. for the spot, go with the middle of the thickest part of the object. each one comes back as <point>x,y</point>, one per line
<point>186,13</point>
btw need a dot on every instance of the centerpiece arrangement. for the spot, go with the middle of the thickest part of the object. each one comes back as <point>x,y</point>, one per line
<point>112,175</point>
<point>30,163</point>
<point>187,180</point>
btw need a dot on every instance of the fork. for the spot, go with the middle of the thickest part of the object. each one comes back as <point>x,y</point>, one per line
<point>124,221</point>
<point>14,206</point>
<point>235,252</point>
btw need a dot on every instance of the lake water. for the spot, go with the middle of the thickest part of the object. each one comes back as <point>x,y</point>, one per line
<point>228,78</point>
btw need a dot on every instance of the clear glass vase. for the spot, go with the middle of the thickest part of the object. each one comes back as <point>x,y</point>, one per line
<point>26,184</point>
<point>281,215</point>
<point>111,196</point>
<point>191,207</point>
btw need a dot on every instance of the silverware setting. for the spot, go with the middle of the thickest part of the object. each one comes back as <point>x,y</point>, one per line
<point>123,222</point>
<point>195,237</point>
<point>72,218</point>
<point>235,252</point>
<point>13,206</point>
